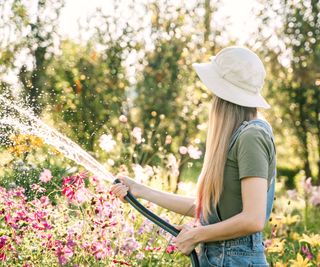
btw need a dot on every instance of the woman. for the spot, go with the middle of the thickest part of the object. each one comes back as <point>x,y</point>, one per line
<point>235,189</point>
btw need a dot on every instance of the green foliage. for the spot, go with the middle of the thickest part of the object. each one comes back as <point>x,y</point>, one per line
<point>294,85</point>
<point>23,174</point>
<point>88,89</point>
<point>289,175</point>
<point>85,86</point>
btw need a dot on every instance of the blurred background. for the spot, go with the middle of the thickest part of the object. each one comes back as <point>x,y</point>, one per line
<point>115,76</point>
<point>83,64</point>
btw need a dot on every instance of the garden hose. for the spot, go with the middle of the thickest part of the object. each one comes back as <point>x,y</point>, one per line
<point>158,221</point>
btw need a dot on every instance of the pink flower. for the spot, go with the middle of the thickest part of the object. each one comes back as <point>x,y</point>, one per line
<point>3,241</point>
<point>292,194</point>
<point>183,150</point>
<point>45,176</point>
<point>171,248</point>
<point>149,248</point>
<point>38,188</point>
<point>68,192</point>
<point>137,133</point>
<point>194,152</point>
<point>81,195</point>
<point>168,139</point>
<point>140,255</point>
<point>101,250</point>
<point>130,245</point>
<point>3,257</point>
<point>44,200</point>
<point>73,183</point>
<point>307,186</point>
<point>315,197</point>
<point>267,243</point>
<point>64,252</point>
<point>305,250</point>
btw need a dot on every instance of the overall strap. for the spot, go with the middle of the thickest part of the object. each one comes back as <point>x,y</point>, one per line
<point>247,124</point>
<point>262,124</point>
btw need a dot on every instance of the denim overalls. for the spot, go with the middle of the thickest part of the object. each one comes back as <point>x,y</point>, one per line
<point>247,250</point>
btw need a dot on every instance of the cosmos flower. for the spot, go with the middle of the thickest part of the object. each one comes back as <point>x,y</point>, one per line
<point>171,248</point>
<point>72,184</point>
<point>101,249</point>
<point>64,252</point>
<point>45,176</point>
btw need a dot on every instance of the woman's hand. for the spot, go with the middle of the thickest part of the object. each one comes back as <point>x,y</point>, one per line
<point>121,189</point>
<point>186,240</point>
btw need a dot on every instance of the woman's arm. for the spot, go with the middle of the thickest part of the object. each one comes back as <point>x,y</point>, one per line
<point>250,220</point>
<point>180,204</point>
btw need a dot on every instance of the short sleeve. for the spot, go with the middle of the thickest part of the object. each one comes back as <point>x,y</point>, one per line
<point>253,153</point>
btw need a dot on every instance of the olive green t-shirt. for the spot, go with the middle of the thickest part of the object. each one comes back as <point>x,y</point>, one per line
<point>251,155</point>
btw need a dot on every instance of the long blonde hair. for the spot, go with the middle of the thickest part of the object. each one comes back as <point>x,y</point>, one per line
<point>224,118</point>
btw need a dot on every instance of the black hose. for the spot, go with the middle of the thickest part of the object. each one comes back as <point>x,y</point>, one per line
<point>158,221</point>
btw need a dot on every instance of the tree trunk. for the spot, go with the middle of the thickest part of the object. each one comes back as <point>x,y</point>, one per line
<point>207,20</point>
<point>317,118</point>
<point>304,138</point>
<point>186,133</point>
<point>179,176</point>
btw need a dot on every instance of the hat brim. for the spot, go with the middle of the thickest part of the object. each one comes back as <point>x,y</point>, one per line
<point>226,90</point>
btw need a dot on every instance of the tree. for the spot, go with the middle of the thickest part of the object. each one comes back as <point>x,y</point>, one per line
<point>295,85</point>
<point>168,86</point>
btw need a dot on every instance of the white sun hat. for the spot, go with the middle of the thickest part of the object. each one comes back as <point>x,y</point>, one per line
<point>235,74</point>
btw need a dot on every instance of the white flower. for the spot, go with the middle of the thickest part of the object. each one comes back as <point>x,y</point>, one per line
<point>142,174</point>
<point>136,133</point>
<point>186,187</point>
<point>106,142</point>
<point>202,126</point>
<point>110,162</point>
<point>194,152</point>
<point>123,118</point>
<point>148,170</point>
<point>183,150</point>
<point>315,197</point>
<point>173,164</point>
